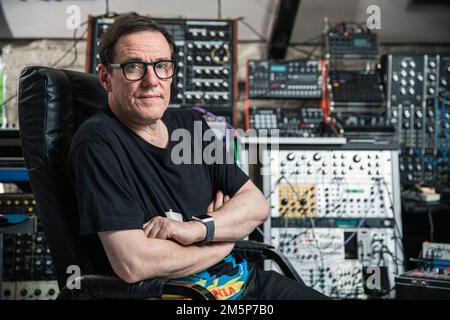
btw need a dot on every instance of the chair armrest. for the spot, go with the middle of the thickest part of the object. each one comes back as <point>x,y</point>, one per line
<point>255,251</point>
<point>93,287</point>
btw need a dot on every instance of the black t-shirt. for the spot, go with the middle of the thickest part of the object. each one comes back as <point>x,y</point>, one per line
<point>122,181</point>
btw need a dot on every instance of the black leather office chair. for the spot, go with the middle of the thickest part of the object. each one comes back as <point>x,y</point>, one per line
<point>52,104</point>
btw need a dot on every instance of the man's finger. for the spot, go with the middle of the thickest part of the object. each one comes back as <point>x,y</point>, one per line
<point>226,199</point>
<point>211,207</point>
<point>219,200</point>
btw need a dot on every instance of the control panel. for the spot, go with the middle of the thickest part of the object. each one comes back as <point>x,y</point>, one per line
<point>293,79</point>
<point>291,122</point>
<point>334,214</point>
<point>417,88</point>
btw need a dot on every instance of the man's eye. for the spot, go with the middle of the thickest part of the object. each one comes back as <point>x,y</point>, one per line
<point>133,66</point>
<point>162,65</point>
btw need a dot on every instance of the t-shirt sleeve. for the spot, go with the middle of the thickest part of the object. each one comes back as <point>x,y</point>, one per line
<point>226,177</point>
<point>105,201</point>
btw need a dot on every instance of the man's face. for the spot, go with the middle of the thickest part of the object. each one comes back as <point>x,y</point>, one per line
<point>143,100</point>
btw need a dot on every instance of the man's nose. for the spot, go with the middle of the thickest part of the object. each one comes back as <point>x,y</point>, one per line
<point>150,77</point>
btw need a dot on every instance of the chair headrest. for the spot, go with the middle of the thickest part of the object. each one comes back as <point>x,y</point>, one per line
<point>53,103</point>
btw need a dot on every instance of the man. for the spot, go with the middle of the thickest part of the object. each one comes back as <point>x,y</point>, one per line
<point>145,209</point>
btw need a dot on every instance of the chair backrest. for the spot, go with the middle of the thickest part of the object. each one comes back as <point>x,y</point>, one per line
<point>52,105</point>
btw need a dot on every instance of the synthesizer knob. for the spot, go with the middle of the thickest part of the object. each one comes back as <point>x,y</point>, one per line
<point>430,114</point>
<point>7,293</point>
<point>290,156</point>
<point>403,82</point>
<point>432,64</point>
<point>225,84</point>
<point>198,59</point>
<point>23,292</point>
<point>444,82</point>
<point>420,77</point>
<point>198,72</point>
<point>431,91</point>
<point>225,97</point>
<point>208,72</point>
<point>189,58</point>
<point>411,91</point>
<point>412,64</point>
<point>207,97</point>
<point>216,72</point>
<point>406,114</point>
<point>37,292</point>
<point>309,171</point>
<point>216,84</point>
<point>357,158</point>
<point>419,114</point>
<point>221,34</point>
<point>431,77</point>
<point>225,72</point>
<point>190,46</point>
<point>395,77</point>
<point>404,64</point>
<point>412,82</point>
<point>207,85</point>
<point>402,90</point>
<point>179,96</point>
<point>317,156</point>
<point>198,97</point>
<point>198,84</point>
<point>51,292</point>
<point>403,73</point>
<point>412,73</point>
<point>324,172</point>
<point>216,97</point>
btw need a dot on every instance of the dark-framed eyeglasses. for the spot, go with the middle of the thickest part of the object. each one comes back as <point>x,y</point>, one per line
<point>136,70</point>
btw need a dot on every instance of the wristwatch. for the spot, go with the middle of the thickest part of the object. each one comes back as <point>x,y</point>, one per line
<point>208,221</point>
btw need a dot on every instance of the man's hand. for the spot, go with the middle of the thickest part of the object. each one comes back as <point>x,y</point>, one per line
<point>218,202</point>
<point>185,233</point>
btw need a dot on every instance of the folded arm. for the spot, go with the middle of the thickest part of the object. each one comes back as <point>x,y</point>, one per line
<point>135,257</point>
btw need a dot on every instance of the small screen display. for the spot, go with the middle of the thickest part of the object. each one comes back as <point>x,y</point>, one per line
<point>278,68</point>
<point>361,43</point>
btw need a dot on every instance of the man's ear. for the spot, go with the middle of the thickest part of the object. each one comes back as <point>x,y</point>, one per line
<point>104,77</point>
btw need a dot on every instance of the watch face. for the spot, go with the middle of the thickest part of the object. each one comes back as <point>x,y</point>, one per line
<point>202,216</point>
